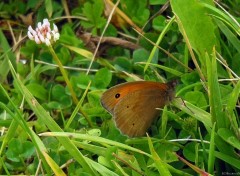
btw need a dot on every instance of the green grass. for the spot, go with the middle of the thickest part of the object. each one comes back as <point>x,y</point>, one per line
<point>51,119</point>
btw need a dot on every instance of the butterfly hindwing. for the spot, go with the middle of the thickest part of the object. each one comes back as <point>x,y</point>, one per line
<point>134,114</point>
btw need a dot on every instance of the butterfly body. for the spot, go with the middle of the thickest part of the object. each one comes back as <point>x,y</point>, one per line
<point>133,105</point>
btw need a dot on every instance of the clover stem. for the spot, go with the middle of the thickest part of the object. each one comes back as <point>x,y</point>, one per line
<point>69,85</point>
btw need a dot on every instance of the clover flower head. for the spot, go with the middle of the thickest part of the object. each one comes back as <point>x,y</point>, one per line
<point>43,33</point>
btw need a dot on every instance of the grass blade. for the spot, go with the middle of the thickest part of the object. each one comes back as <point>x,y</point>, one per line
<point>161,166</point>
<point>51,124</point>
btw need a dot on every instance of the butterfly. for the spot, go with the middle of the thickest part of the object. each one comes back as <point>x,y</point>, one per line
<point>133,105</point>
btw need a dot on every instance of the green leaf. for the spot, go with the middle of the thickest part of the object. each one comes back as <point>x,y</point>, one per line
<point>228,136</point>
<point>81,81</point>
<point>223,146</point>
<point>19,150</point>
<point>28,149</point>
<point>65,101</point>
<point>30,48</point>
<point>38,91</point>
<point>140,55</point>
<point>49,8</point>
<point>64,56</point>
<point>190,78</point>
<point>16,146</point>
<point>54,105</point>
<point>23,69</point>
<point>58,91</point>
<point>197,98</point>
<point>102,78</point>
<point>190,152</point>
<point>137,10</point>
<point>62,100</point>
<point>31,3</point>
<point>51,142</point>
<point>157,2</point>
<point>159,23</point>
<point>68,36</point>
<point>93,12</point>
<point>93,98</point>
<point>123,64</point>
<point>196,23</point>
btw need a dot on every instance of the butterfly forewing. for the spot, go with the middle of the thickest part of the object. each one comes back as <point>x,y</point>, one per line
<point>113,95</point>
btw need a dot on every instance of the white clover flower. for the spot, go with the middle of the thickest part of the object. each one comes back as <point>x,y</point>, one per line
<point>43,33</point>
<point>37,39</point>
<point>55,28</point>
<point>39,25</point>
<point>47,41</point>
<point>30,36</point>
<point>41,38</point>
<point>49,35</point>
<point>46,22</point>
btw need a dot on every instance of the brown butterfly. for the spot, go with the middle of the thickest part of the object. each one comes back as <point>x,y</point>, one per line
<point>133,105</point>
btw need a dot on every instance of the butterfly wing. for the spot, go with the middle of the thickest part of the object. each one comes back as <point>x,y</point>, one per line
<point>133,105</point>
<point>112,96</point>
<point>135,112</point>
